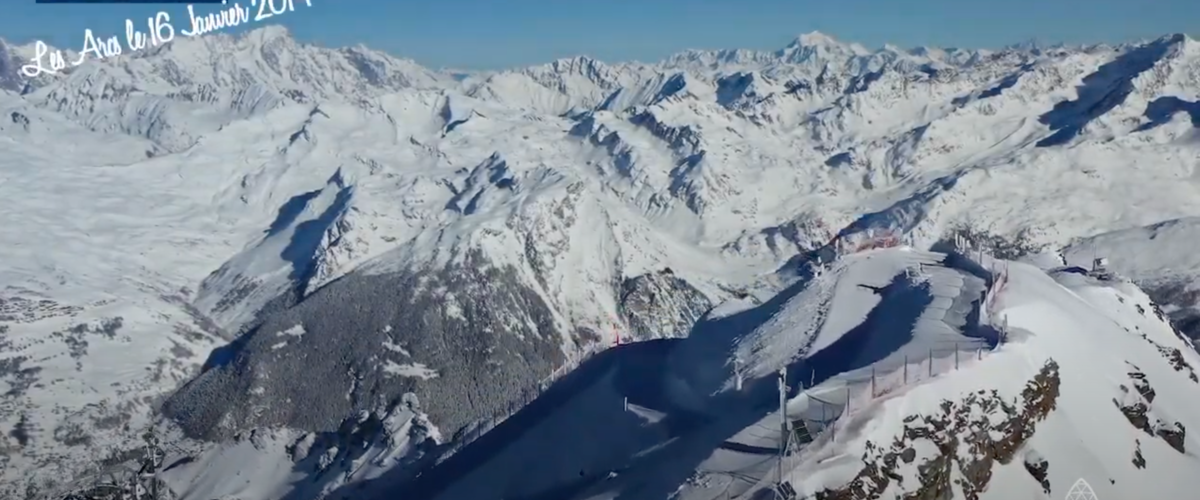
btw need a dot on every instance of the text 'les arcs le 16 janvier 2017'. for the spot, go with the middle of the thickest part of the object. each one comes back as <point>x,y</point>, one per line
<point>161,31</point>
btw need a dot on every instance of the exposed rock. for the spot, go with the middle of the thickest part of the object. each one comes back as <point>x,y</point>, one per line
<point>1173,437</point>
<point>331,456</point>
<point>661,305</point>
<point>1184,319</point>
<point>23,309</point>
<point>1136,414</point>
<point>1175,358</point>
<point>963,435</point>
<point>1136,409</point>
<point>75,337</point>
<point>1141,384</point>
<point>1139,461</point>
<point>1039,468</point>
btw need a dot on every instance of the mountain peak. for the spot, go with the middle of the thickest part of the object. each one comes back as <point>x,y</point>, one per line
<point>574,62</point>
<point>820,45</point>
<point>814,39</point>
<point>269,33</point>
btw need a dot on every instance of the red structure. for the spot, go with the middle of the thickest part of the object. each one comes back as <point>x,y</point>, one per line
<point>886,240</point>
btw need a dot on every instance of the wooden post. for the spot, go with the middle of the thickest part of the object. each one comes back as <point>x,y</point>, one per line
<point>930,363</point>
<point>872,381</point>
<point>956,356</point>
<point>905,369</point>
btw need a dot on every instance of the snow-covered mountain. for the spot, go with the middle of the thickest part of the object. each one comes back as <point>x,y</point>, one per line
<point>920,375</point>
<point>337,264</point>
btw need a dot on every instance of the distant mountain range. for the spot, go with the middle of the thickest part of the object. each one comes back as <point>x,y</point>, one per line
<point>260,245</point>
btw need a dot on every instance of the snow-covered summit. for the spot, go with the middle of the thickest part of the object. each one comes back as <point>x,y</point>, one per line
<point>908,373</point>
<point>229,220</point>
<point>817,45</point>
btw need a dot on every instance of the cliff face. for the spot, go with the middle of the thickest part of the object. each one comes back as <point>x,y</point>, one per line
<point>661,305</point>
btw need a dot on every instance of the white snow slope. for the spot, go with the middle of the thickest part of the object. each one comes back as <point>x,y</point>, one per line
<point>154,204</point>
<point>1085,365</point>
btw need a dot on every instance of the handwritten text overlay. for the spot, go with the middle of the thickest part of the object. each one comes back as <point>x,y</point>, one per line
<point>160,31</point>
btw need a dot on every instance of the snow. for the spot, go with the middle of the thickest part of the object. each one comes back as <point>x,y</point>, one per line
<point>1074,322</point>
<point>193,188</point>
<point>273,463</point>
<point>295,331</point>
<point>1169,241</point>
<point>242,470</point>
<point>410,370</point>
<point>1073,325</point>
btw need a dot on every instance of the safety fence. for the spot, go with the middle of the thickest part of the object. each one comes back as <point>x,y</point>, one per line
<point>834,406</point>
<point>829,408</point>
<point>887,378</point>
<point>924,367</point>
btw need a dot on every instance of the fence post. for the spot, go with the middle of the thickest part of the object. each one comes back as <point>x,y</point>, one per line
<point>833,427</point>
<point>872,381</point>
<point>906,369</point>
<point>956,356</point>
<point>824,417</point>
<point>930,363</point>
<point>979,354</point>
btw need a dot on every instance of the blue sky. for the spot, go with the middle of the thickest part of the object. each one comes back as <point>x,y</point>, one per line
<point>498,33</point>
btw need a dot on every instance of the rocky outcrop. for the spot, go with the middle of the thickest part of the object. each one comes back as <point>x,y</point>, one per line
<point>1039,468</point>
<point>661,305</point>
<point>400,437</point>
<point>969,444</point>
<point>1174,357</point>
<point>1137,408</point>
<point>1173,436</point>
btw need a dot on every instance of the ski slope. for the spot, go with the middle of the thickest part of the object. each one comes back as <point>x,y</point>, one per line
<point>488,227</point>
<point>613,429</point>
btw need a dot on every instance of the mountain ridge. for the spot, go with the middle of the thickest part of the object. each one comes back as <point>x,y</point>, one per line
<point>242,203</point>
